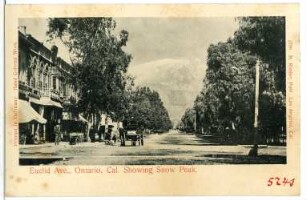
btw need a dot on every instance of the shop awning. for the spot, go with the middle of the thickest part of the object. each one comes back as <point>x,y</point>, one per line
<point>82,119</point>
<point>56,104</point>
<point>46,102</point>
<point>28,114</point>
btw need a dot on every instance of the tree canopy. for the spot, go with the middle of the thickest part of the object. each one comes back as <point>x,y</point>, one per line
<point>265,38</point>
<point>146,107</point>
<point>98,59</point>
<point>227,98</point>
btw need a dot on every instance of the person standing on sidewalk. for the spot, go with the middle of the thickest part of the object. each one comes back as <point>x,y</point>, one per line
<point>57,132</point>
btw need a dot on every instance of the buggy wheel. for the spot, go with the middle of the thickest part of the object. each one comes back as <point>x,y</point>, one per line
<point>35,140</point>
<point>77,141</point>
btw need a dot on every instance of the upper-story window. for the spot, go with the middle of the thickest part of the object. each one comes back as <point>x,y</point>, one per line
<point>33,82</point>
<point>54,82</point>
<point>65,92</point>
<point>45,82</point>
<point>45,87</point>
<point>22,67</point>
<point>40,85</point>
<point>62,87</point>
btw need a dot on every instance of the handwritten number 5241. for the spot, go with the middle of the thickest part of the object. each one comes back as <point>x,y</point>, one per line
<point>280,181</point>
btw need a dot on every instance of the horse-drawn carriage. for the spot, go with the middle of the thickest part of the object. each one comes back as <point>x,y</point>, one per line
<point>131,133</point>
<point>75,138</point>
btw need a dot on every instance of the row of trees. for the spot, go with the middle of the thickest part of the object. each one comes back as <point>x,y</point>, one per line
<point>99,72</point>
<point>148,110</point>
<point>226,103</point>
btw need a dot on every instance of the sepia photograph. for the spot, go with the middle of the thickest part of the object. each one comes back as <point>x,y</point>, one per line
<point>152,91</point>
<point>152,100</point>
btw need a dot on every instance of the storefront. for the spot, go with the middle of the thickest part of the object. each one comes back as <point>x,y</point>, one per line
<point>72,122</point>
<point>32,126</point>
<point>51,111</point>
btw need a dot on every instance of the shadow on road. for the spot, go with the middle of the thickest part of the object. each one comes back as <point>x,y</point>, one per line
<point>37,161</point>
<point>189,144</point>
<point>190,140</point>
<point>153,152</point>
<point>38,153</point>
<point>213,160</point>
<point>245,159</point>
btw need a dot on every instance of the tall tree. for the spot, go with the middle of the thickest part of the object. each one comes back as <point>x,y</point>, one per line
<point>265,38</point>
<point>99,62</point>
<point>227,98</point>
<point>147,109</point>
<point>188,120</point>
<point>229,90</point>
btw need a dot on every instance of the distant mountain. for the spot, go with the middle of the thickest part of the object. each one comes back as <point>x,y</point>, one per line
<point>178,81</point>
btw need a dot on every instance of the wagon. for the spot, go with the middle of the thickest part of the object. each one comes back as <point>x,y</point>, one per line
<point>75,138</point>
<point>133,134</point>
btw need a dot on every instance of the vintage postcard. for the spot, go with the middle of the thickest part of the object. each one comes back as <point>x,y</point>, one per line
<point>152,100</point>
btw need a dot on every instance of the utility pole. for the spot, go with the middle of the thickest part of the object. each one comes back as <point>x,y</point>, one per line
<point>195,121</point>
<point>254,150</point>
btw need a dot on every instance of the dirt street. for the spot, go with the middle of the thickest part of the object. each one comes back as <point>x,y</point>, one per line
<point>159,149</point>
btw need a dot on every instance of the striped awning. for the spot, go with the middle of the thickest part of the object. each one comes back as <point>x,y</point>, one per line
<point>27,114</point>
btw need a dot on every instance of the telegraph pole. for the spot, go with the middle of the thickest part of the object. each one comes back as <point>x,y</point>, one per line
<point>195,121</point>
<point>254,150</point>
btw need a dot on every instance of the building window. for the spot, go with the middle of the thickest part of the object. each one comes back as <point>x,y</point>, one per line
<point>45,82</point>
<point>60,86</point>
<point>40,85</point>
<point>45,87</point>
<point>33,82</point>
<point>54,82</point>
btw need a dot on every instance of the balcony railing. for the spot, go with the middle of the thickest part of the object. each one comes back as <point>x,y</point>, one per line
<point>27,90</point>
<point>35,93</point>
<point>55,95</point>
<point>23,87</point>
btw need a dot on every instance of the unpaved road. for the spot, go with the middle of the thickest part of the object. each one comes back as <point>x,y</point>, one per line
<point>163,149</point>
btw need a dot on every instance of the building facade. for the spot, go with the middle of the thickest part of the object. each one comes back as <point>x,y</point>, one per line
<point>43,85</point>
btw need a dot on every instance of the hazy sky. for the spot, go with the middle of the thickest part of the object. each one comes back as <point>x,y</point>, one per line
<point>37,27</point>
<point>162,38</point>
<point>169,54</point>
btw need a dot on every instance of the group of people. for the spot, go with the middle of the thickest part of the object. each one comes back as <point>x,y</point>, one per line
<point>105,133</point>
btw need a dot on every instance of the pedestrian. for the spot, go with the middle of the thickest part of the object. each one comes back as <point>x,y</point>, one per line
<point>57,132</point>
<point>101,132</point>
<point>227,135</point>
<point>92,134</point>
